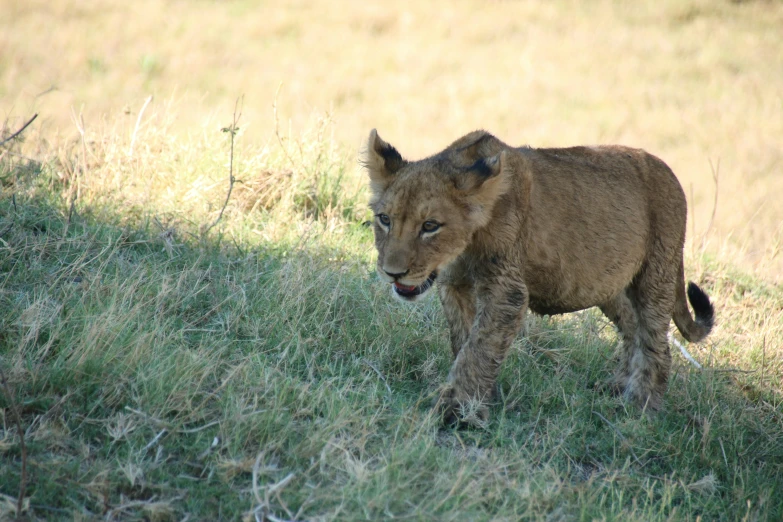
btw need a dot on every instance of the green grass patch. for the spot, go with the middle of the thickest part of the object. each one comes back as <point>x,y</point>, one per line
<point>262,372</point>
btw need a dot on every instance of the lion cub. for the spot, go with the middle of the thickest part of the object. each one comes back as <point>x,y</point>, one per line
<point>504,229</point>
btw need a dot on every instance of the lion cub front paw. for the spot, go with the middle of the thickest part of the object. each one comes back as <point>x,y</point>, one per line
<point>456,408</point>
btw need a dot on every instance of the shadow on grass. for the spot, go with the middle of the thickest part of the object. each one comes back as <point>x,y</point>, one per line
<point>139,359</point>
<point>159,377</point>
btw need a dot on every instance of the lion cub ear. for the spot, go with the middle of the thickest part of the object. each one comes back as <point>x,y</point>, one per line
<point>484,182</point>
<point>382,161</point>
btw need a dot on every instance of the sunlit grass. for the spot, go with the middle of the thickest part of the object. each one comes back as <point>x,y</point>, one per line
<point>260,369</point>
<point>697,83</point>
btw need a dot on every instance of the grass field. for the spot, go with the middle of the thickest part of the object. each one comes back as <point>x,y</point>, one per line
<point>168,356</point>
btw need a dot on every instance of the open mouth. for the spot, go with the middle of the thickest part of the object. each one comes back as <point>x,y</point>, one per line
<point>413,291</point>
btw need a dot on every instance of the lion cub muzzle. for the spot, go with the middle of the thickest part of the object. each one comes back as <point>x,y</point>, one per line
<point>413,292</point>
<point>404,287</point>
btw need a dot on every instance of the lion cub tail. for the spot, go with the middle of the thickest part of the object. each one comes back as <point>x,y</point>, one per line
<point>693,331</point>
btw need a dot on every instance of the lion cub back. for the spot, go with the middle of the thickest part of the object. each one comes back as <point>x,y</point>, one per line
<point>591,217</point>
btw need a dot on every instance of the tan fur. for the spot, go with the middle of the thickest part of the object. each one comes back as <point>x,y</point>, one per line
<point>553,230</point>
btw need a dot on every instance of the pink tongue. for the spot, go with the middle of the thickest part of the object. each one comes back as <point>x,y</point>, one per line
<point>405,288</point>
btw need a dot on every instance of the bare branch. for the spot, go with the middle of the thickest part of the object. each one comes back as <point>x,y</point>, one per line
<point>233,129</point>
<point>20,131</point>
<point>51,88</point>
<point>138,122</point>
<point>79,122</point>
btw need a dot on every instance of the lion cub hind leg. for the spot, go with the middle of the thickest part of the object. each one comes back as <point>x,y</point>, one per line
<point>621,312</point>
<point>647,357</point>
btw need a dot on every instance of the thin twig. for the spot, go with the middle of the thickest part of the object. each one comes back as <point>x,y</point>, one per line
<point>204,454</point>
<point>17,133</point>
<point>200,428</point>
<point>52,509</point>
<point>51,88</point>
<point>619,434</point>
<point>715,176</point>
<point>277,130</point>
<point>128,505</point>
<point>18,419</point>
<point>233,131</point>
<point>274,489</point>
<point>70,211</point>
<point>763,359</point>
<point>136,504</point>
<point>47,91</point>
<point>80,127</point>
<point>165,426</point>
<point>273,518</point>
<point>255,478</point>
<point>371,365</point>
<point>138,122</point>
<point>684,352</point>
<point>723,450</point>
<point>148,417</point>
<point>154,441</point>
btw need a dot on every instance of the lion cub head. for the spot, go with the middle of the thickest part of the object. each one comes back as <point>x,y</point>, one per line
<point>427,211</point>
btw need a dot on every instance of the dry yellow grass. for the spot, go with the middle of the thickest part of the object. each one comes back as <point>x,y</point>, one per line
<point>698,83</point>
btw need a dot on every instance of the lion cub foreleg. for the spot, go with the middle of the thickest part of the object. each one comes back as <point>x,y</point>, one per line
<point>459,306</point>
<point>500,310</point>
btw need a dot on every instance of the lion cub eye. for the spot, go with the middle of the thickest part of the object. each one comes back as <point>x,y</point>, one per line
<point>430,226</point>
<point>384,220</point>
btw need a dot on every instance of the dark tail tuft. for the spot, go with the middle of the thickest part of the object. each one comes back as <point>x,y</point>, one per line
<point>702,307</point>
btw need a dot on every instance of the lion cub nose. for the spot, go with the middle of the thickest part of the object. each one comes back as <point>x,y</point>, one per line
<point>396,275</point>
